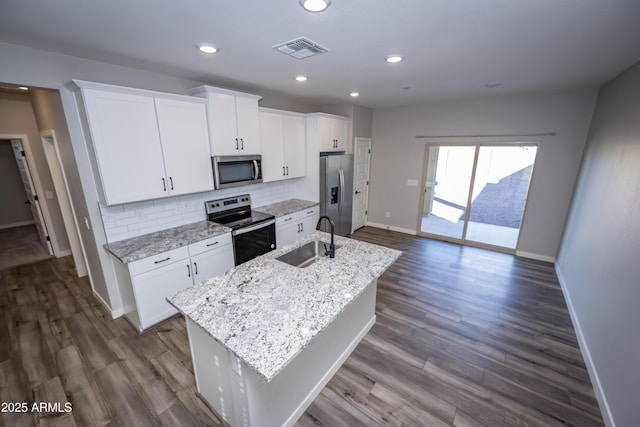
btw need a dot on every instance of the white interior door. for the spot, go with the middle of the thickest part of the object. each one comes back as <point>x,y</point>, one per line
<point>32,198</point>
<point>62,193</point>
<point>361,181</point>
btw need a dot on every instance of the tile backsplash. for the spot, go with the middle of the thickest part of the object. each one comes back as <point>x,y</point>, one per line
<point>135,219</point>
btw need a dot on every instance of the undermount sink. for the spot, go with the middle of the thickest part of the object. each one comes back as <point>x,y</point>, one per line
<point>306,254</point>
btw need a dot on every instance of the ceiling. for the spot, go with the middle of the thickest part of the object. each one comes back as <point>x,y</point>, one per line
<point>451,48</point>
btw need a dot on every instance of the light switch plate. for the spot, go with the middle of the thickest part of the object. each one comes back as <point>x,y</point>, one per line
<point>412,182</point>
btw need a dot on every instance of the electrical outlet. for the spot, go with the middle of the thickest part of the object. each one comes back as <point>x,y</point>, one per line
<point>388,214</point>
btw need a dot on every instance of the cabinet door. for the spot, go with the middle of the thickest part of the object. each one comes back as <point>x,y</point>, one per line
<point>126,142</point>
<point>153,287</point>
<point>295,147</point>
<point>185,145</point>
<point>325,130</point>
<point>224,130</point>
<point>212,263</point>
<point>308,222</point>
<point>286,230</point>
<point>272,140</point>
<point>248,122</point>
<point>340,133</point>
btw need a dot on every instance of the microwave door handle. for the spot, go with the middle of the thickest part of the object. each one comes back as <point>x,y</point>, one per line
<point>256,170</point>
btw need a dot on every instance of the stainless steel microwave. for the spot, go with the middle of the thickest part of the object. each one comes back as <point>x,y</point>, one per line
<point>233,171</point>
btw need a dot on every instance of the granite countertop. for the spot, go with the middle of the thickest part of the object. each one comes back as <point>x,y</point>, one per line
<point>287,207</point>
<point>265,311</point>
<point>147,245</point>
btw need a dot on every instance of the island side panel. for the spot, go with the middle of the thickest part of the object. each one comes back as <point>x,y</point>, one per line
<point>283,400</point>
<point>212,367</point>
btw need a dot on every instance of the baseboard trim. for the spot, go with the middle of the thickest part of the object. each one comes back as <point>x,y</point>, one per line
<point>16,224</point>
<point>584,348</point>
<point>391,227</point>
<point>114,313</point>
<point>63,253</point>
<point>537,257</point>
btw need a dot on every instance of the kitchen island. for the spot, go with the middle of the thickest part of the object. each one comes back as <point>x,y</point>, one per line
<point>266,336</point>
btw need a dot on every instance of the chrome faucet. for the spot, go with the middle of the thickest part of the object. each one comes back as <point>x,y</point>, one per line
<point>332,247</point>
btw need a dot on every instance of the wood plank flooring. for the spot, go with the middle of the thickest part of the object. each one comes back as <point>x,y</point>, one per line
<point>20,246</point>
<point>464,337</point>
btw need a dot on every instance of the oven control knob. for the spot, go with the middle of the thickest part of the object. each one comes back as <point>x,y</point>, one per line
<point>273,246</point>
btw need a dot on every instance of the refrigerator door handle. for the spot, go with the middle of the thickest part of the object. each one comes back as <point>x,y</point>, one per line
<point>341,175</point>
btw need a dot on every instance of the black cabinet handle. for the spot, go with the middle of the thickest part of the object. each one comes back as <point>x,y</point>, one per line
<point>211,244</point>
<point>283,171</point>
<point>188,271</point>
<point>287,170</point>
<point>171,181</point>
<point>162,260</point>
<point>164,185</point>
<point>237,146</point>
<point>301,227</point>
<point>241,143</point>
<point>195,267</point>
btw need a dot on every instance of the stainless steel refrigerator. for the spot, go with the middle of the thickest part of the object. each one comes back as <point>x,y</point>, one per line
<point>336,191</point>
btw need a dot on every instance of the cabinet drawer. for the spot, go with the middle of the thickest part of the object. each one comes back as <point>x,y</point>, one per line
<point>210,243</point>
<point>157,261</point>
<point>314,210</point>
<point>287,219</point>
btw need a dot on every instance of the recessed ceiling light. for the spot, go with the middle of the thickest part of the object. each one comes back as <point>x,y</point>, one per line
<point>315,5</point>
<point>207,48</point>
<point>354,94</point>
<point>301,78</point>
<point>393,59</point>
<point>492,84</point>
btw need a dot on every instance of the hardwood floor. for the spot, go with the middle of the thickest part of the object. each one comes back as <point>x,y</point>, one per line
<point>20,246</point>
<point>464,337</point>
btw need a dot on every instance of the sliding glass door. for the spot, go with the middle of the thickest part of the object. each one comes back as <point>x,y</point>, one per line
<point>476,193</point>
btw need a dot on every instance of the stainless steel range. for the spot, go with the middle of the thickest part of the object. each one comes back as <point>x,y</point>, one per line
<point>254,233</point>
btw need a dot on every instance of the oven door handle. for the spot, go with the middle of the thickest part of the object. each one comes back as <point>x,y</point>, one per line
<point>254,228</point>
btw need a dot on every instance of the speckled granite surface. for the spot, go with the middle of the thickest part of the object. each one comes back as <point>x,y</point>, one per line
<point>266,311</point>
<point>287,207</point>
<point>136,248</point>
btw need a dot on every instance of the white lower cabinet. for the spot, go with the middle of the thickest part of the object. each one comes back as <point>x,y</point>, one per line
<point>151,289</point>
<point>211,257</point>
<point>297,225</point>
<point>145,284</point>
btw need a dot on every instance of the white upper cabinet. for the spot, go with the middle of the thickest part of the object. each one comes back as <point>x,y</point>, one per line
<point>234,124</point>
<point>144,145</point>
<point>283,139</point>
<point>184,137</point>
<point>332,131</point>
<point>126,145</point>
<point>295,145</point>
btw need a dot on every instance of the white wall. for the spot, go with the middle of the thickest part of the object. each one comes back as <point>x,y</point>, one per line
<point>16,117</point>
<point>598,263</point>
<point>397,156</point>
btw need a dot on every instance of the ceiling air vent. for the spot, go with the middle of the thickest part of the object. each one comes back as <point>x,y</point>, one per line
<point>301,48</point>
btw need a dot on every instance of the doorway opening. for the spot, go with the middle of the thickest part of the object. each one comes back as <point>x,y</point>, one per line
<point>24,237</point>
<point>476,194</point>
